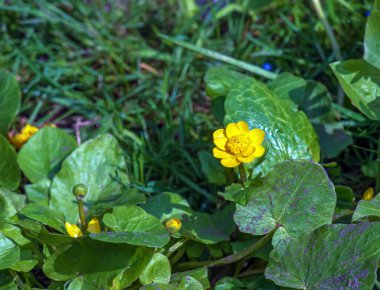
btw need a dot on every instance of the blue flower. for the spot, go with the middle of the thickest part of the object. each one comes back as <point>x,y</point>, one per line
<point>267,66</point>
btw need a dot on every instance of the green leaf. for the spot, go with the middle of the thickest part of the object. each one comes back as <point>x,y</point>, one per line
<point>85,256</point>
<point>311,96</point>
<point>96,163</point>
<point>208,228</point>
<point>332,257</point>
<point>10,203</point>
<point>157,271</point>
<point>366,209</point>
<point>200,274</point>
<point>138,262</point>
<point>345,197</point>
<point>10,98</point>
<point>42,155</point>
<point>9,252</point>
<point>166,205</point>
<point>27,262</point>
<point>371,37</point>
<point>6,281</point>
<point>296,196</point>
<point>219,80</point>
<point>132,225</point>
<point>10,174</point>
<point>370,169</point>
<point>360,81</point>
<point>212,168</point>
<point>45,215</point>
<point>14,233</point>
<point>39,192</point>
<point>289,134</point>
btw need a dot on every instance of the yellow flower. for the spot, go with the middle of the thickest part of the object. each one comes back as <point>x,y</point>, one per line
<point>94,226</point>
<point>368,194</point>
<point>237,144</point>
<point>20,139</point>
<point>73,230</point>
<point>173,225</point>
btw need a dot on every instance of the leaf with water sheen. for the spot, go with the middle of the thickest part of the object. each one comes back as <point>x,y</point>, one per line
<point>332,257</point>
<point>289,134</point>
<point>296,196</point>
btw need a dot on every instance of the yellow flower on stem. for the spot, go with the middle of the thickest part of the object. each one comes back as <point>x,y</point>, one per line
<point>173,225</point>
<point>368,194</point>
<point>73,230</point>
<point>20,139</point>
<point>94,226</point>
<point>237,144</point>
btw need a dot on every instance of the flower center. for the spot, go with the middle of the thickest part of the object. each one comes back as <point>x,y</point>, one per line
<point>237,144</point>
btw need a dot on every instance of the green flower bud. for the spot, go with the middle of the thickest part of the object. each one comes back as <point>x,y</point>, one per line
<point>80,190</point>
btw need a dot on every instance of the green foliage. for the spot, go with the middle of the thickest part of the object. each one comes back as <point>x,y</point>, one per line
<point>371,38</point>
<point>10,99</point>
<point>10,174</point>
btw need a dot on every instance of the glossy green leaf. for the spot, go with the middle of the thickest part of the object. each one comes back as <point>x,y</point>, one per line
<point>200,274</point>
<point>366,209</point>
<point>98,163</point>
<point>85,256</point>
<point>371,37</point>
<point>138,262</point>
<point>219,80</point>
<point>26,263</point>
<point>334,256</point>
<point>132,225</point>
<point>212,168</point>
<point>39,192</point>
<point>14,233</point>
<point>166,205</point>
<point>345,197</point>
<point>208,228</point>
<point>10,174</point>
<point>296,196</point>
<point>9,252</point>
<point>10,203</point>
<point>360,81</point>
<point>42,155</point>
<point>289,134</point>
<point>45,215</point>
<point>157,271</point>
<point>10,98</point>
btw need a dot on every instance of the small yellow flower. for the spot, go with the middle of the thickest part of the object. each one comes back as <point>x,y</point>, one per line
<point>94,226</point>
<point>237,144</point>
<point>73,230</point>
<point>173,225</point>
<point>368,194</point>
<point>20,139</point>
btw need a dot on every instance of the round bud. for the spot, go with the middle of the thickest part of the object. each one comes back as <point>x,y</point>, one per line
<point>173,225</point>
<point>80,190</point>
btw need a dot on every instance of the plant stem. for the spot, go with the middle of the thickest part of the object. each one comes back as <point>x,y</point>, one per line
<point>232,258</point>
<point>176,246</point>
<point>243,176</point>
<point>82,216</point>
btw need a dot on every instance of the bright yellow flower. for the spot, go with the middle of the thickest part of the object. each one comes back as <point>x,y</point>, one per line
<point>73,230</point>
<point>237,144</point>
<point>368,194</point>
<point>20,139</point>
<point>94,226</point>
<point>173,225</point>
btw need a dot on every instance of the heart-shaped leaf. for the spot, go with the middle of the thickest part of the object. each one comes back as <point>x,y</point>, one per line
<point>332,257</point>
<point>97,164</point>
<point>289,134</point>
<point>296,196</point>
<point>132,225</point>
<point>157,271</point>
<point>42,155</point>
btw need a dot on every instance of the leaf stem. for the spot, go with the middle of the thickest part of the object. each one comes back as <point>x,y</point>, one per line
<point>243,176</point>
<point>82,216</point>
<point>378,168</point>
<point>232,258</point>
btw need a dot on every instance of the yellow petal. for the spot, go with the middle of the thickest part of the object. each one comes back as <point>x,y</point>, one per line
<point>232,130</point>
<point>248,151</point>
<point>368,194</point>
<point>256,135</point>
<point>218,153</point>
<point>173,225</point>
<point>230,162</point>
<point>94,226</point>
<point>247,159</point>
<point>73,230</point>
<point>219,134</point>
<point>243,126</point>
<point>259,151</point>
